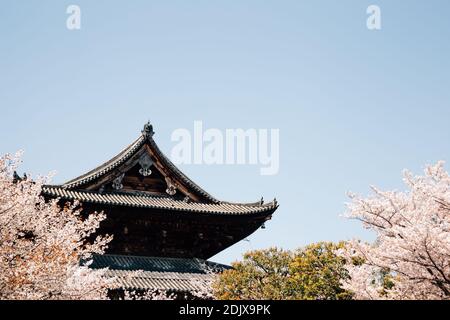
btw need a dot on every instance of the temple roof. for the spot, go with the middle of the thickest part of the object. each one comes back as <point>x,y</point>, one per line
<point>152,273</point>
<point>129,152</point>
<point>141,176</point>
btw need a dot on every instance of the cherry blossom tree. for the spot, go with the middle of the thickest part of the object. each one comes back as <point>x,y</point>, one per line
<point>42,243</point>
<point>410,258</point>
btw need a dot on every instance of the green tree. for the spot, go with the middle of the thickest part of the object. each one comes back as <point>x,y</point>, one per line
<point>317,272</point>
<point>313,272</point>
<point>261,275</point>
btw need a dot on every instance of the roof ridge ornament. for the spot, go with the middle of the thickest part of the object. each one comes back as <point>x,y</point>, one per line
<point>117,183</point>
<point>148,132</point>
<point>146,163</point>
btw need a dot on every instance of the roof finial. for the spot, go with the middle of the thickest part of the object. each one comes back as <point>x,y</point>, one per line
<point>148,130</point>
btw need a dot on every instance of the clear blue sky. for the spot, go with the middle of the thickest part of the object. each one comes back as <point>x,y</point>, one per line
<point>354,107</point>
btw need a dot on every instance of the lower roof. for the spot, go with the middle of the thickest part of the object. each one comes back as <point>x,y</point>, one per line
<point>157,274</point>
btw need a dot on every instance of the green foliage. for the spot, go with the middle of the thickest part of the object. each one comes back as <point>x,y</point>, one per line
<point>261,275</point>
<point>314,272</point>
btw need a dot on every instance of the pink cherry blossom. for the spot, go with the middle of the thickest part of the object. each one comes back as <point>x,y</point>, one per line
<point>41,244</point>
<point>412,249</point>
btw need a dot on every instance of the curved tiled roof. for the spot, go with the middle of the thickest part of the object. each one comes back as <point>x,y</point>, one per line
<point>126,154</point>
<point>153,202</point>
<point>154,273</point>
<point>155,264</point>
<point>73,189</point>
<point>166,281</point>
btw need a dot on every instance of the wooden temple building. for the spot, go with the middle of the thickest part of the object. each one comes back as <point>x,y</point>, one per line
<point>162,222</point>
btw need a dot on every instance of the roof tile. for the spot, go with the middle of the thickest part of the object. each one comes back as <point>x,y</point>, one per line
<point>153,273</point>
<point>144,201</point>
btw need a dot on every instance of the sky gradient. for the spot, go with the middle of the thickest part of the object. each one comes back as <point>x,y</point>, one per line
<point>354,107</point>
